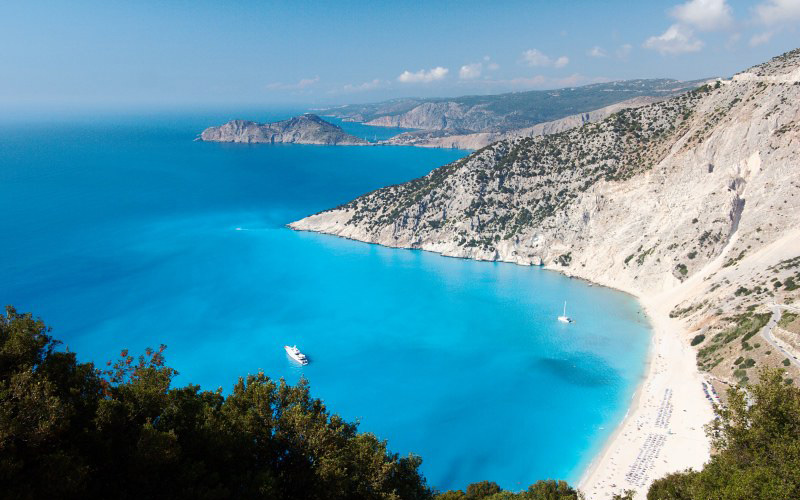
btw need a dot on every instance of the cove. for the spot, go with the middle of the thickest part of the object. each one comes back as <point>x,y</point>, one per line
<point>121,232</point>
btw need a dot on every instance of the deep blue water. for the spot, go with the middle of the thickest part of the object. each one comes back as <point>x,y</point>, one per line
<point>121,232</point>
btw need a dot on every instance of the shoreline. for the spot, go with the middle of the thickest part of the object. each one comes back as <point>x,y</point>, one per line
<point>644,445</point>
<point>635,401</point>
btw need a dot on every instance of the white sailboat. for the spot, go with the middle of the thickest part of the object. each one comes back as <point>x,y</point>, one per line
<point>564,318</point>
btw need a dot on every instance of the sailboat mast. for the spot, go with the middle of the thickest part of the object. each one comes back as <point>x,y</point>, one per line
<point>565,308</point>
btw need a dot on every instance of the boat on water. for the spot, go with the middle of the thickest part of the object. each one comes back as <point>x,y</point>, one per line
<point>564,318</point>
<point>295,354</point>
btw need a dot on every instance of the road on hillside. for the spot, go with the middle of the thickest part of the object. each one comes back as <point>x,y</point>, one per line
<point>766,332</point>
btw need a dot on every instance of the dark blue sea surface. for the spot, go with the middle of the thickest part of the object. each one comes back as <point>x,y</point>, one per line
<point>122,232</point>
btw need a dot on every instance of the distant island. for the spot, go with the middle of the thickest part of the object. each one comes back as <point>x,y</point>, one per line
<point>303,129</point>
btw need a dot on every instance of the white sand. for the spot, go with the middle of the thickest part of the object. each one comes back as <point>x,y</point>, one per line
<point>671,366</point>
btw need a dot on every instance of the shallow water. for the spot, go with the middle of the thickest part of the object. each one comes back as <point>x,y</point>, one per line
<point>121,232</point>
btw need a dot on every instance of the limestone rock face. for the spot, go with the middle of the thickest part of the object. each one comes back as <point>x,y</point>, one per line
<point>304,129</point>
<point>641,200</point>
<point>439,116</point>
<point>453,140</point>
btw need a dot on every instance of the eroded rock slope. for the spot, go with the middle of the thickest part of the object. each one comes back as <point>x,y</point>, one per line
<point>703,183</point>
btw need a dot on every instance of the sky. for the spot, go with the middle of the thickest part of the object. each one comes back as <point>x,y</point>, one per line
<point>175,53</point>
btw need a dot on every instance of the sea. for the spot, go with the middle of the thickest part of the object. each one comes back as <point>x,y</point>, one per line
<point>121,231</point>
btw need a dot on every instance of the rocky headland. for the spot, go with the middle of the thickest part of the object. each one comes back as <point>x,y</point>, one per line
<point>303,129</point>
<point>691,203</point>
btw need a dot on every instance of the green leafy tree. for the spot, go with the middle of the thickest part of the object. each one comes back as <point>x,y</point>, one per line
<point>69,430</point>
<point>541,490</point>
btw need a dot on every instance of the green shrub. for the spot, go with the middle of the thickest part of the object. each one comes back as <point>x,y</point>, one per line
<point>786,319</point>
<point>698,339</point>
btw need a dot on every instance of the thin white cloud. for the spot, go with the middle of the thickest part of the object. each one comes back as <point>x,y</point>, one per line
<point>597,51</point>
<point>534,57</point>
<point>531,81</point>
<point>542,81</point>
<point>623,51</point>
<point>470,71</point>
<point>705,15</point>
<point>300,85</point>
<point>678,39</point>
<point>760,38</point>
<point>422,76</point>
<point>537,58</point>
<point>773,12</point>
<point>366,86</point>
<point>490,65</point>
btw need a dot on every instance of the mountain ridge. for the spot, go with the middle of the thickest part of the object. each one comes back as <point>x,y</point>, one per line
<point>503,112</point>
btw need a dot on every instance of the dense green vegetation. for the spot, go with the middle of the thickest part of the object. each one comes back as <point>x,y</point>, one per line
<point>487,490</point>
<point>757,438</point>
<point>70,430</point>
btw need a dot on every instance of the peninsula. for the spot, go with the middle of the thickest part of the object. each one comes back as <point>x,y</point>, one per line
<point>692,204</point>
<point>303,129</point>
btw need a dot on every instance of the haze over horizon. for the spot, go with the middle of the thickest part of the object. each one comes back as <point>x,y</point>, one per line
<point>95,55</point>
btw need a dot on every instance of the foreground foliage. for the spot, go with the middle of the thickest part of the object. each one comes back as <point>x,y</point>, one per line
<point>70,430</point>
<point>540,490</point>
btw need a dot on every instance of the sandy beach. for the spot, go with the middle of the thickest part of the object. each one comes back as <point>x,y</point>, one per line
<point>663,429</point>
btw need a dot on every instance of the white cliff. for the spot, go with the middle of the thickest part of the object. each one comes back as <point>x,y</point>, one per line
<point>691,203</point>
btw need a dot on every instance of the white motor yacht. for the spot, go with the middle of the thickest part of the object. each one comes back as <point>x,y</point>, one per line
<point>295,354</point>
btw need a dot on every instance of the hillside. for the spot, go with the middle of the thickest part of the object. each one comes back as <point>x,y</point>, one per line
<point>503,112</point>
<point>478,140</point>
<point>691,203</point>
<point>304,129</point>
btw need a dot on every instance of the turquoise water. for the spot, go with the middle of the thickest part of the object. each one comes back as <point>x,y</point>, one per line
<point>121,233</point>
<point>367,132</point>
